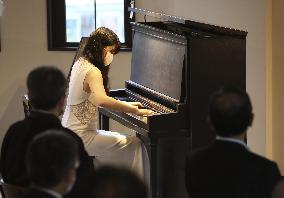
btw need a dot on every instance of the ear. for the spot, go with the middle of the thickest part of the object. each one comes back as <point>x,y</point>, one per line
<point>251,119</point>
<point>70,176</point>
<point>62,101</point>
<point>104,52</point>
<point>60,105</point>
<point>68,180</point>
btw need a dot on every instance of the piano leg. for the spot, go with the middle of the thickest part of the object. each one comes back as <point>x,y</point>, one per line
<point>103,122</point>
<point>167,165</point>
<point>151,147</point>
<point>153,168</point>
<point>170,167</point>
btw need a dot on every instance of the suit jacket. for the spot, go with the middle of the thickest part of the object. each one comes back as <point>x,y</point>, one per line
<point>16,140</point>
<point>35,193</point>
<point>229,170</point>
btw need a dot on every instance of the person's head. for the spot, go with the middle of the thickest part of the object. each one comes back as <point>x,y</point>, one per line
<point>46,88</point>
<point>52,160</point>
<point>230,112</point>
<point>114,182</point>
<point>101,45</point>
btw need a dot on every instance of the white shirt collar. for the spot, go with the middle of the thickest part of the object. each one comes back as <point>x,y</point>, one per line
<point>51,192</point>
<point>228,139</point>
<point>42,111</point>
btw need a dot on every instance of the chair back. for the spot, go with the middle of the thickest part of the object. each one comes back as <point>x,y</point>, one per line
<point>10,190</point>
<point>26,104</point>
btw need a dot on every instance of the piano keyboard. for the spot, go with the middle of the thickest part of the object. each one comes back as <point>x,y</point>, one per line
<point>146,102</point>
<point>141,118</point>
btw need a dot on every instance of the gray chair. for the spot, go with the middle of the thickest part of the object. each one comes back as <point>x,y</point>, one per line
<point>26,104</point>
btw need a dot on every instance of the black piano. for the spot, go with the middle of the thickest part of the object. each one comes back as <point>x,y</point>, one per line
<point>176,64</point>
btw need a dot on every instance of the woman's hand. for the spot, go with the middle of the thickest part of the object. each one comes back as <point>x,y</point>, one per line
<point>136,104</point>
<point>98,97</point>
<point>139,110</point>
<point>143,112</point>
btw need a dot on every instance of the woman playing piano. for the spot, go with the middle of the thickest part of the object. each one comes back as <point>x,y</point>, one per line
<point>88,89</point>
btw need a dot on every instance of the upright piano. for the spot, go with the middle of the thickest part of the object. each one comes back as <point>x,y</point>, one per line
<point>176,65</point>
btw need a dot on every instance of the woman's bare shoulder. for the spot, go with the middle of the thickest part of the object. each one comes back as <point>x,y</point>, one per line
<point>94,72</point>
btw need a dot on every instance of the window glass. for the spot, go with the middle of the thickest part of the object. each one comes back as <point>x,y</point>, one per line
<point>84,16</point>
<point>80,19</point>
<point>111,14</point>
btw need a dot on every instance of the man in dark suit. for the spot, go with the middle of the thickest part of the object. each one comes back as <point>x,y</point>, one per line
<point>227,168</point>
<point>46,90</point>
<point>51,161</point>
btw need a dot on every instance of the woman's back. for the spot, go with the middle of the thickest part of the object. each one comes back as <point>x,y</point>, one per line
<point>80,114</point>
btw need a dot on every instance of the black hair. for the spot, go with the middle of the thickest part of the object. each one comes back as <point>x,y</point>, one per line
<point>230,111</point>
<point>116,182</point>
<point>46,86</point>
<point>93,50</point>
<point>49,156</point>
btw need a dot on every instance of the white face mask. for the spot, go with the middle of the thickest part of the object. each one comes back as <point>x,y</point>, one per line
<point>108,59</point>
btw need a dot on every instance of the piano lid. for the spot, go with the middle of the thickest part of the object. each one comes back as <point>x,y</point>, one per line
<point>158,60</point>
<point>209,28</point>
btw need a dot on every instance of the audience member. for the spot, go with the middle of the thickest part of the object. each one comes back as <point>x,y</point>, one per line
<point>227,167</point>
<point>46,90</point>
<point>114,182</point>
<point>51,161</point>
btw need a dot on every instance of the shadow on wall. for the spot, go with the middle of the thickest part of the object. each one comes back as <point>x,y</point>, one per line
<point>11,106</point>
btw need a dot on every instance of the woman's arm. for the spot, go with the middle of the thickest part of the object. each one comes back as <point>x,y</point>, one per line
<point>94,84</point>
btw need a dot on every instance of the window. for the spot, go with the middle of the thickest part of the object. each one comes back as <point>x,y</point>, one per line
<point>69,20</point>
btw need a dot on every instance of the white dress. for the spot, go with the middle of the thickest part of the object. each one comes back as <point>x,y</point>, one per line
<point>108,147</point>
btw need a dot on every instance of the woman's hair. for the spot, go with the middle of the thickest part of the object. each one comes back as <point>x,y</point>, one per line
<point>93,50</point>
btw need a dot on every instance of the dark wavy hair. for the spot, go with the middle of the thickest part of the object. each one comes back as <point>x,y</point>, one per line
<point>93,50</point>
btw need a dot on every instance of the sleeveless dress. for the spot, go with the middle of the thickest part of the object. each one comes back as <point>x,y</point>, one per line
<point>109,148</point>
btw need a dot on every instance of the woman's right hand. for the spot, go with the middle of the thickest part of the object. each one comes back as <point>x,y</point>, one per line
<point>142,112</point>
<point>139,110</point>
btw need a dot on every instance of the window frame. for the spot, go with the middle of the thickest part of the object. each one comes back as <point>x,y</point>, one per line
<point>56,27</point>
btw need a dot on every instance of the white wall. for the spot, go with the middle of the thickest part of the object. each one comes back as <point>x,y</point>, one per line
<point>24,45</point>
<point>23,40</point>
<point>278,81</point>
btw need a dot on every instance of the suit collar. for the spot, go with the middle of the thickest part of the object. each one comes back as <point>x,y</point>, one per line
<point>48,191</point>
<point>232,141</point>
<point>43,114</point>
<point>42,111</point>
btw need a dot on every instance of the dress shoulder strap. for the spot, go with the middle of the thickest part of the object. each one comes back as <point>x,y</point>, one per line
<point>79,71</point>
